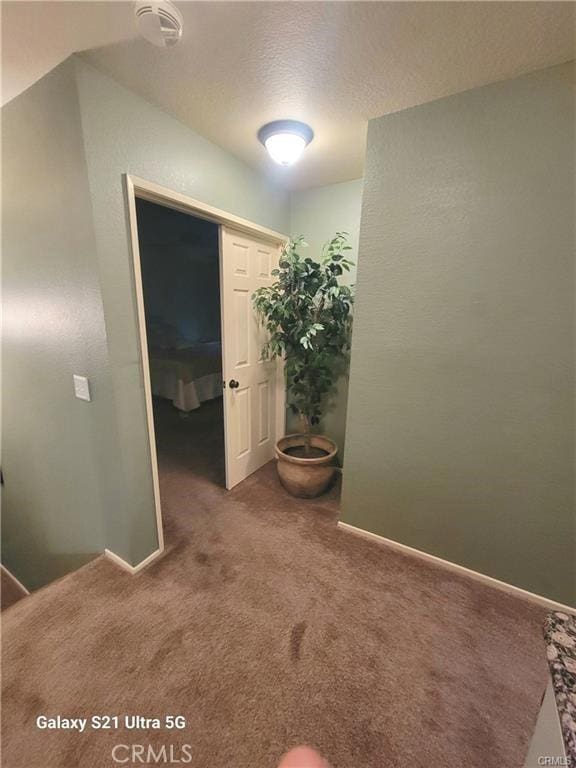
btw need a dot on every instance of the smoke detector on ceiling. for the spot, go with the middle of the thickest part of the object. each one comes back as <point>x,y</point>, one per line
<point>159,22</point>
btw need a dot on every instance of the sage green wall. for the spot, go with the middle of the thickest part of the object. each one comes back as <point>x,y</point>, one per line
<point>460,433</point>
<point>53,326</point>
<point>125,134</point>
<point>78,474</point>
<point>318,214</point>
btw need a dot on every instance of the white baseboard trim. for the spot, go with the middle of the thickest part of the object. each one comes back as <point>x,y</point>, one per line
<point>461,569</point>
<point>14,579</point>
<point>133,568</point>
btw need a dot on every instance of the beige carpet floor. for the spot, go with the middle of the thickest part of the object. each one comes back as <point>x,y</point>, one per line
<point>266,626</point>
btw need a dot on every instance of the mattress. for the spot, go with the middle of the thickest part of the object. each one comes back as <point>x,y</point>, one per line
<point>188,376</point>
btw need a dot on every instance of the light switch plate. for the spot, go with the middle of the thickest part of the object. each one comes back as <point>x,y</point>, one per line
<point>81,387</point>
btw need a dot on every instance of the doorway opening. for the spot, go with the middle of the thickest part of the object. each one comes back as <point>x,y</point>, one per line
<point>241,396</point>
<point>179,263</point>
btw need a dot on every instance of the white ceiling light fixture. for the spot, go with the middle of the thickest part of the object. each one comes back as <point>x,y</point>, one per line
<point>159,22</point>
<point>285,140</point>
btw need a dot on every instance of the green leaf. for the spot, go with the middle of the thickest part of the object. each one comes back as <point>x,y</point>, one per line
<point>306,314</point>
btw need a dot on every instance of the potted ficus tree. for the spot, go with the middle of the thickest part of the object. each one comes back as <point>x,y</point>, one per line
<point>307,315</point>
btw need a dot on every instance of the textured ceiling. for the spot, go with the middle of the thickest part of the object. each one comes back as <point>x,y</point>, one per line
<point>334,65</point>
<point>37,36</point>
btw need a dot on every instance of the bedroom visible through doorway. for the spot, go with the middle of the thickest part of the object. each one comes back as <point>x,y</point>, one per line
<point>179,262</point>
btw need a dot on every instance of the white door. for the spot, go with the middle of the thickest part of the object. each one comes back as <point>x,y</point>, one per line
<point>254,400</point>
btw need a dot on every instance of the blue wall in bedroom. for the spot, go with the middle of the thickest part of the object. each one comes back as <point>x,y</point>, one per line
<point>180,275</point>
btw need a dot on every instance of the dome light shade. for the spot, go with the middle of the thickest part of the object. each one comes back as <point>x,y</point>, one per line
<point>285,148</point>
<point>285,140</point>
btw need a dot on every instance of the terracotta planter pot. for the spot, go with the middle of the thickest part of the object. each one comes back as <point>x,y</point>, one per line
<point>303,477</point>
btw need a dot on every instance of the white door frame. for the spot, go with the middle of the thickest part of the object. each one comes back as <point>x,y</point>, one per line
<point>155,193</point>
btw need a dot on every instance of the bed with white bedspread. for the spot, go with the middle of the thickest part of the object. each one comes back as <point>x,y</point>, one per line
<point>187,375</point>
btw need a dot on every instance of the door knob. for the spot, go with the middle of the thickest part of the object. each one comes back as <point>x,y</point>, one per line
<point>233,384</point>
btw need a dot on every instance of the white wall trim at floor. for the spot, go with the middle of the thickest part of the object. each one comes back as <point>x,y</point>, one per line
<point>14,579</point>
<point>133,568</point>
<point>461,569</point>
